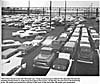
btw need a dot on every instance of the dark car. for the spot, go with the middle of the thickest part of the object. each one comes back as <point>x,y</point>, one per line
<point>70,47</point>
<point>60,64</point>
<point>57,45</point>
<point>85,54</point>
<point>45,58</point>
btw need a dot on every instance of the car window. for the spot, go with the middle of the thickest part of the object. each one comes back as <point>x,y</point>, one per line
<point>46,52</point>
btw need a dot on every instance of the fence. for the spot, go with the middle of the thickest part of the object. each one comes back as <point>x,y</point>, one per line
<point>58,11</point>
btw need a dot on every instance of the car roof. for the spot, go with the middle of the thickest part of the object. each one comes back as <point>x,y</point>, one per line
<point>64,55</point>
<point>8,51</point>
<point>47,48</point>
<point>70,44</point>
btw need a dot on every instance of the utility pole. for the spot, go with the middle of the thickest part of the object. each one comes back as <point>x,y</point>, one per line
<point>59,11</point>
<point>65,10</point>
<point>43,11</point>
<point>97,12</point>
<point>91,9</point>
<point>77,12</point>
<point>28,10</point>
<point>50,12</point>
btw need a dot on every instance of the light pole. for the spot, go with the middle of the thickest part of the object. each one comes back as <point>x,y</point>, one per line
<point>50,12</point>
<point>28,10</point>
<point>65,10</point>
<point>91,9</point>
<point>59,11</point>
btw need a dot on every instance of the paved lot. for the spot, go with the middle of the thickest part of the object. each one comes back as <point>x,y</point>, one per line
<point>76,69</point>
<point>81,69</point>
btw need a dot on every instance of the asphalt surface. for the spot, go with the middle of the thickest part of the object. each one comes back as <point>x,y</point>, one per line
<point>28,59</point>
<point>82,69</point>
<point>77,69</point>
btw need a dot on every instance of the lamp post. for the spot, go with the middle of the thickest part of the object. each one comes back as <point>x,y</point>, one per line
<point>97,12</point>
<point>28,10</point>
<point>43,11</point>
<point>91,9</point>
<point>50,12</point>
<point>65,10</point>
<point>59,11</point>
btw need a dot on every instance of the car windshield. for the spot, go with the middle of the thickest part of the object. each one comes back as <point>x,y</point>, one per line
<point>85,49</point>
<point>46,52</point>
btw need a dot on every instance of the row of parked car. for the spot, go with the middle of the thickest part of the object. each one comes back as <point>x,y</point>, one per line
<point>29,46</point>
<point>77,48</point>
<point>57,52</point>
<point>21,20</point>
<point>62,52</point>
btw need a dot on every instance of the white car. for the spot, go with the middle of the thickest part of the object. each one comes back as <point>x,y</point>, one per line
<point>85,35</point>
<point>75,34</point>
<point>74,39</point>
<point>17,33</point>
<point>31,33</point>
<point>63,35</point>
<point>26,43</point>
<point>98,19</point>
<point>52,27</point>
<point>10,44</point>
<point>38,39</point>
<point>23,35</point>
<point>92,31</point>
<point>11,24</point>
<point>3,61</point>
<point>8,68</point>
<point>77,30</point>
<point>84,30</point>
<point>95,35</point>
<point>63,68</point>
<point>41,32</point>
<point>48,41</point>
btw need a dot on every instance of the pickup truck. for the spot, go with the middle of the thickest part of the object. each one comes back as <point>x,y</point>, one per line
<point>45,58</point>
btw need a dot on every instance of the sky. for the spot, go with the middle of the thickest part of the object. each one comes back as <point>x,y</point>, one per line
<point>45,3</point>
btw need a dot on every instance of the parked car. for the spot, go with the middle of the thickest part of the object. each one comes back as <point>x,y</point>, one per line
<point>45,58</point>
<point>25,49</point>
<point>70,47</point>
<point>77,30</point>
<point>57,45</point>
<point>61,66</point>
<point>85,34</point>
<point>74,39</point>
<point>96,43</point>
<point>8,53</point>
<point>75,34</point>
<point>10,44</point>
<point>97,19</point>
<point>85,54</point>
<point>48,40</point>
<point>10,67</point>
<point>38,40</point>
<point>17,33</point>
<point>84,30</point>
<point>94,35</point>
<point>84,40</point>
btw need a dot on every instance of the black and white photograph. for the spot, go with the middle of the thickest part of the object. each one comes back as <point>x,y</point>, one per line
<point>50,38</point>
